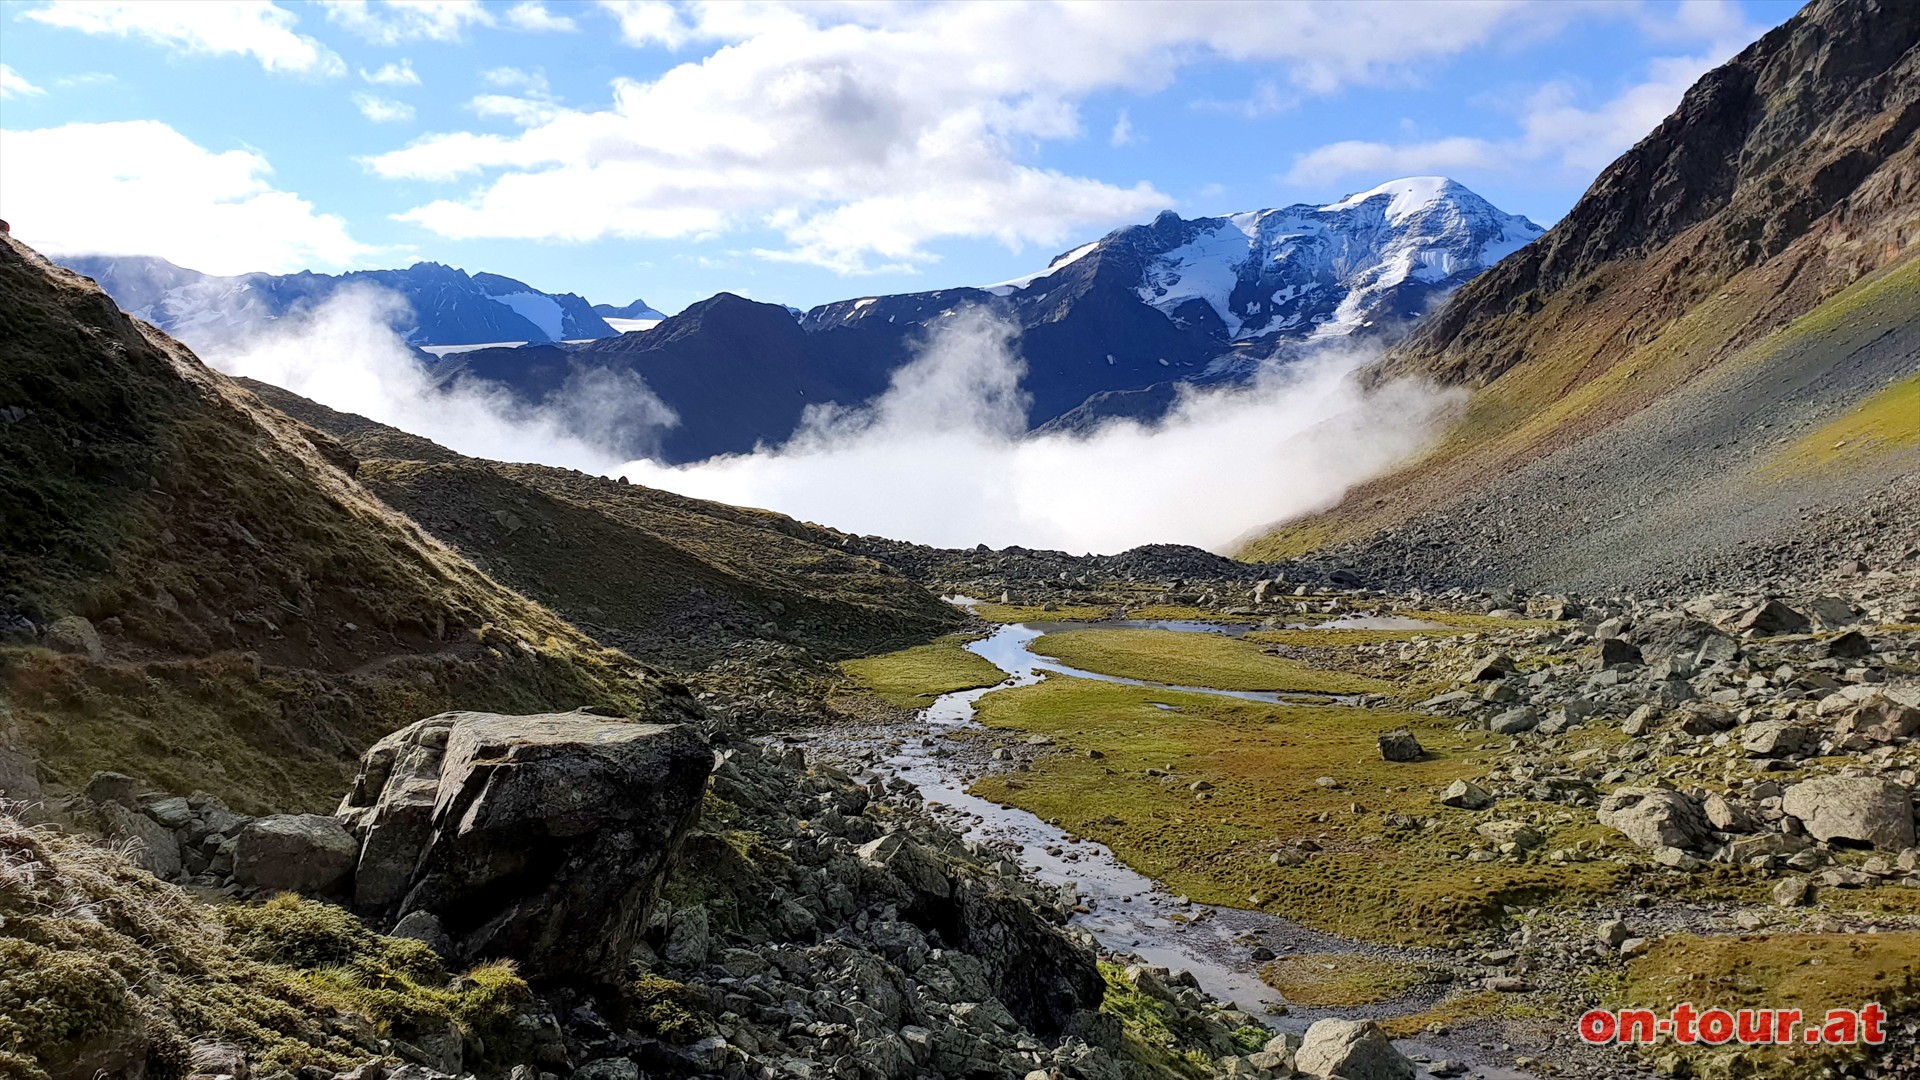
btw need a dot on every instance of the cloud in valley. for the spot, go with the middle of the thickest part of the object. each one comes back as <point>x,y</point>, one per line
<point>941,458</point>
<point>345,356</point>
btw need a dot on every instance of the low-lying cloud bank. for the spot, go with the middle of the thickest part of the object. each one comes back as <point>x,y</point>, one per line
<point>345,355</point>
<point>941,458</point>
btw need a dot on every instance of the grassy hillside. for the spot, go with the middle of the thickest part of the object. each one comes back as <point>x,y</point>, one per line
<point>259,616</point>
<point>1743,273</point>
<point>665,577</point>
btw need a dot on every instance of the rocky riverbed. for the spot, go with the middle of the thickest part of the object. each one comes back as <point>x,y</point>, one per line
<point>1750,761</point>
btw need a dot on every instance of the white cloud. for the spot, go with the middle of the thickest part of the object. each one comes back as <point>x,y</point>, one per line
<point>345,355</point>
<point>253,28</point>
<point>535,104</point>
<point>1122,134</point>
<point>382,110</point>
<point>1336,161</point>
<point>533,16</point>
<point>513,78</point>
<point>1267,99</point>
<point>141,188</point>
<point>646,22</point>
<point>393,22</point>
<point>399,74</point>
<point>1555,131</point>
<point>942,457</point>
<point>15,85</point>
<point>864,132</point>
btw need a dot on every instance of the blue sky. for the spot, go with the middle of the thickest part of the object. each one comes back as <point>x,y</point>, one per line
<point>792,153</point>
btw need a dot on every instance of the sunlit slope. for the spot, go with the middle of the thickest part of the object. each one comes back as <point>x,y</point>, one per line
<point>1740,278</point>
<point>662,576</point>
<point>253,618</point>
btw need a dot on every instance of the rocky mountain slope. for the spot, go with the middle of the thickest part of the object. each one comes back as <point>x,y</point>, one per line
<point>1715,345</point>
<point>1107,329</point>
<point>444,305</point>
<point>194,586</point>
<point>663,577</point>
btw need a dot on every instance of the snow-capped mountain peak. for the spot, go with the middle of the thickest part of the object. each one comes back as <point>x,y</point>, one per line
<point>1376,259</point>
<point>1409,195</point>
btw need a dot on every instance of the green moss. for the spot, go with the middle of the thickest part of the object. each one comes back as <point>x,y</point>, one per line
<point>1018,613</point>
<point>1342,979</point>
<point>1887,421</point>
<point>1374,878</point>
<point>912,678</point>
<point>91,948</point>
<point>1152,1038</point>
<point>1809,972</point>
<point>1185,659</point>
<point>663,1009</point>
<point>1454,1010</point>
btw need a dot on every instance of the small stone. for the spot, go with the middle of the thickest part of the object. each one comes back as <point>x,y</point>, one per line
<point>1464,795</point>
<point>1400,745</point>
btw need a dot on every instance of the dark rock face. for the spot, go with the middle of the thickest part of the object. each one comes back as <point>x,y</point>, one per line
<point>1044,981</point>
<point>542,838</point>
<point>1758,151</point>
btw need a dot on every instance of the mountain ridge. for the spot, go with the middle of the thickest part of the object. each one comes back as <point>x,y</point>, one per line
<point>445,305</point>
<point>1147,306</point>
<point>1739,281</point>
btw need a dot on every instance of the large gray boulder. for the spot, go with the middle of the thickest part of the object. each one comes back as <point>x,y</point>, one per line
<point>1401,745</point>
<point>541,838</point>
<point>1655,818</point>
<point>1881,716</point>
<point>1351,1050</point>
<point>304,853</point>
<point>74,634</point>
<point>1854,809</point>
<point>149,843</point>
<point>19,781</point>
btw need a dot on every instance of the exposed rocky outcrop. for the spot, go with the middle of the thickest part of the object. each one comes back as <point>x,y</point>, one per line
<point>1744,273</point>
<point>539,838</point>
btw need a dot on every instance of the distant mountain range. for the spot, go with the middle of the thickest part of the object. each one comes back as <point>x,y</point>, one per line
<point>1108,328</point>
<point>636,310</point>
<point>448,306</point>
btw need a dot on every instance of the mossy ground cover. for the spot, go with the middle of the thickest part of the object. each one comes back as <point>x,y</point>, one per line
<point>912,678</point>
<point>94,953</point>
<point>1885,422</point>
<point>1337,980</point>
<point>1187,659</point>
<point>1154,1036</point>
<point>1019,613</point>
<point>1811,972</point>
<point>1261,764</point>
